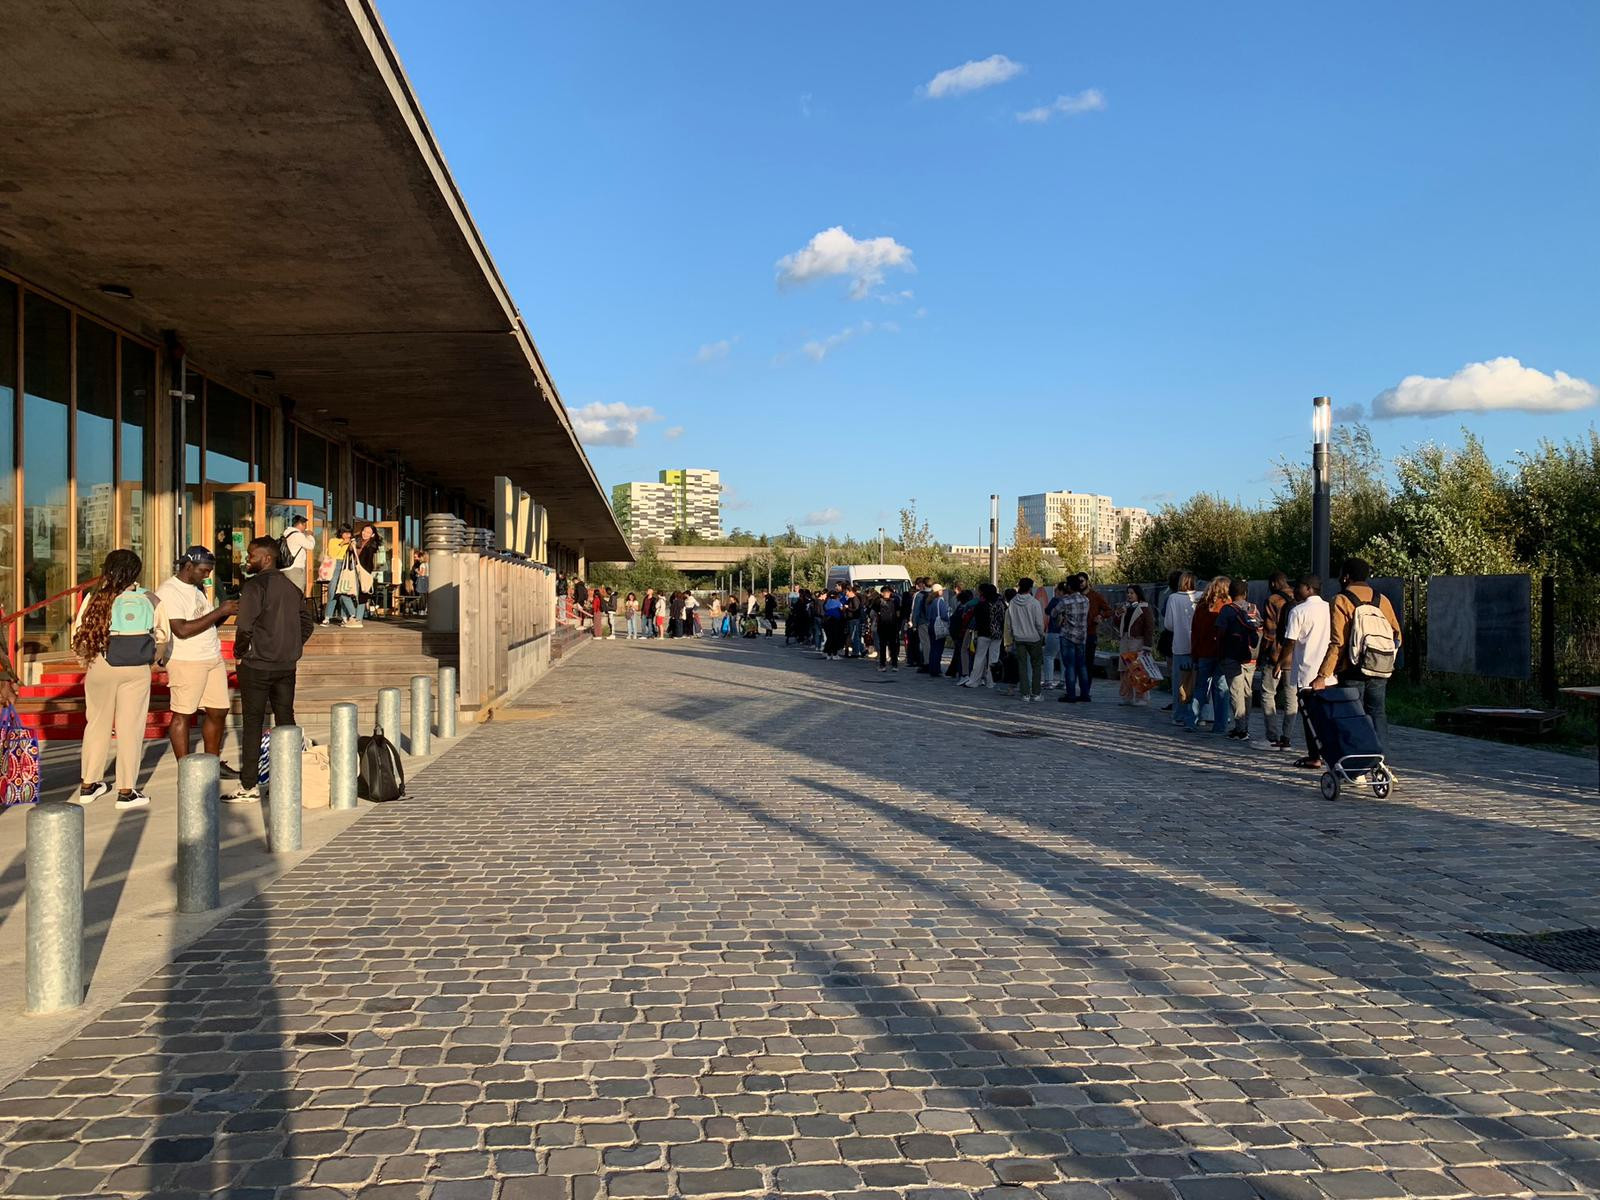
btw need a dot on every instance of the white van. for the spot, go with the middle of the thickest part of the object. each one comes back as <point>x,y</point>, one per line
<point>871,575</point>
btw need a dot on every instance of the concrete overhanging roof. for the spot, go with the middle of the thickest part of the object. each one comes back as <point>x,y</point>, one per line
<point>262,177</point>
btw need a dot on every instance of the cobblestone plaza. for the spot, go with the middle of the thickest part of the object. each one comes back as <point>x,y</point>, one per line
<point>725,920</point>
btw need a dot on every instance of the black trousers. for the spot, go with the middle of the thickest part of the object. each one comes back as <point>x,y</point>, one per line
<point>833,632</point>
<point>257,689</point>
<point>888,640</point>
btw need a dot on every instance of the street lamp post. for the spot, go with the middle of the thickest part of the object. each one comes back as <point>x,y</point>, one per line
<point>1321,486</point>
<point>880,543</point>
<point>994,539</point>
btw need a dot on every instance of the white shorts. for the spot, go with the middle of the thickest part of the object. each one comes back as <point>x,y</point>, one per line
<point>197,685</point>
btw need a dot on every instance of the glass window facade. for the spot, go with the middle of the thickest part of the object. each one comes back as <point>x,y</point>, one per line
<point>95,448</point>
<point>230,434</point>
<point>46,417</point>
<point>138,385</point>
<point>9,540</point>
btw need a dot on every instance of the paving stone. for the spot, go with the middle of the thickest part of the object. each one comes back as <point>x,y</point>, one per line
<point>818,933</point>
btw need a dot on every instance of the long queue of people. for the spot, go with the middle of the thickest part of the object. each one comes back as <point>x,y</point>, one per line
<point>1225,655</point>
<point>608,614</point>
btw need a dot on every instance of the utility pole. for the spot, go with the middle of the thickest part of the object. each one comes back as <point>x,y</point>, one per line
<point>1322,486</point>
<point>994,539</point>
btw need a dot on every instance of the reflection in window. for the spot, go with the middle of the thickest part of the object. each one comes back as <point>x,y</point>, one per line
<point>96,447</point>
<point>311,471</point>
<point>47,373</point>
<point>194,409</point>
<point>8,407</point>
<point>263,470</point>
<point>138,385</point>
<point>229,428</point>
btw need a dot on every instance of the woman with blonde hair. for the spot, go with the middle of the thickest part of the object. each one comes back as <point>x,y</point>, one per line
<point>1204,648</point>
<point>118,634</point>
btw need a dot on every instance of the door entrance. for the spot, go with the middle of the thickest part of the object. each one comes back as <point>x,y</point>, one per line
<point>280,512</point>
<point>234,513</point>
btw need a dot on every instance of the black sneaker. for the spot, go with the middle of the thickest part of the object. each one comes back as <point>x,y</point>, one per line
<point>226,772</point>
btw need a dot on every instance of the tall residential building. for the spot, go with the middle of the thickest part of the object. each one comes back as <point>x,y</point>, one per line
<point>697,495</point>
<point>1094,517</point>
<point>688,499</point>
<point>1135,521</point>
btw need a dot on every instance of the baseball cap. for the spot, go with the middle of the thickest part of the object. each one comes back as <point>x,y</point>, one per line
<point>198,554</point>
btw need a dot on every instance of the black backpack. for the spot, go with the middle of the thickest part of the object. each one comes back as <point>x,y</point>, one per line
<point>380,776</point>
<point>285,555</point>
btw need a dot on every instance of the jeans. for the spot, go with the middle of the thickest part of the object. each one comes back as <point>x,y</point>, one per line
<point>1030,666</point>
<point>924,642</point>
<point>1374,693</point>
<point>857,646</point>
<point>935,662</point>
<point>345,606</point>
<point>1184,710</point>
<point>1233,692</point>
<point>1053,662</point>
<point>1205,678</point>
<point>1074,669</point>
<point>257,689</point>
<point>1278,699</point>
<point>633,626</point>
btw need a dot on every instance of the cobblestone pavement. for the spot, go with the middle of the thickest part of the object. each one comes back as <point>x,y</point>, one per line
<point>725,920</point>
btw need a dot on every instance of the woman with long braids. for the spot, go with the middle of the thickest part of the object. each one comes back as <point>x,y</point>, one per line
<point>118,634</point>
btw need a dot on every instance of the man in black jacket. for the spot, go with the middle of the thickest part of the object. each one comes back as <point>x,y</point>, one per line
<point>274,625</point>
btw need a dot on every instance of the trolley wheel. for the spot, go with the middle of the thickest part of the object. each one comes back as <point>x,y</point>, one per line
<point>1380,788</point>
<point>1330,786</point>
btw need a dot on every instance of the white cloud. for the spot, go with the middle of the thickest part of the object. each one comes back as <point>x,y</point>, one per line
<point>615,424</point>
<point>734,500</point>
<point>819,349</point>
<point>896,297</point>
<point>673,433</point>
<point>1497,385</point>
<point>715,351</point>
<point>834,252</point>
<point>972,76</point>
<point>1349,414</point>
<point>1088,100</point>
<point>823,516</point>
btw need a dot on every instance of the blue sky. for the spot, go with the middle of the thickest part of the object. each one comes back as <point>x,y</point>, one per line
<point>1228,210</point>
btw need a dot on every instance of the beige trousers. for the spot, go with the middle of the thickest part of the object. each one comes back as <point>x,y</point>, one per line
<point>115,697</point>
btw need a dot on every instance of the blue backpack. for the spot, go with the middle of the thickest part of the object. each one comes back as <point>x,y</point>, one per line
<point>133,630</point>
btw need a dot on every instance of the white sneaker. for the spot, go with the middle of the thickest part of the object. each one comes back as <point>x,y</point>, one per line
<point>352,624</point>
<point>93,794</point>
<point>133,799</point>
<point>250,795</point>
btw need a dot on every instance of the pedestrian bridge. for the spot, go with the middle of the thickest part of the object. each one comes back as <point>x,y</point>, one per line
<point>711,558</point>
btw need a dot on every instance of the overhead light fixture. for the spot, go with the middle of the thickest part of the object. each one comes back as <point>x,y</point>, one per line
<point>342,422</point>
<point>120,290</point>
<point>262,373</point>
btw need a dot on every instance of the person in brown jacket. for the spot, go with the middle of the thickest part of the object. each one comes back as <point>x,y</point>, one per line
<point>1355,590</point>
<point>1203,648</point>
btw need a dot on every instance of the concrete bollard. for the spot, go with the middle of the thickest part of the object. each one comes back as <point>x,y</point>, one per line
<point>55,907</point>
<point>421,715</point>
<point>342,766</point>
<point>199,871</point>
<point>389,713</point>
<point>447,702</point>
<point>283,789</point>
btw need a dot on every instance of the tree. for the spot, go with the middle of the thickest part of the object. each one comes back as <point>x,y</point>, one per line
<point>1452,515</point>
<point>917,552</point>
<point>646,571</point>
<point>1025,559</point>
<point>1072,547</point>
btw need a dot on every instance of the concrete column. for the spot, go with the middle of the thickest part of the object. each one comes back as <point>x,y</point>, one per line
<point>421,715</point>
<point>448,702</point>
<point>342,765</point>
<point>283,789</point>
<point>199,873</point>
<point>55,907</point>
<point>389,713</point>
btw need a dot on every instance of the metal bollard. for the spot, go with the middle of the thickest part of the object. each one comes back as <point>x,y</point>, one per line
<point>421,715</point>
<point>283,789</point>
<point>55,907</point>
<point>199,872</point>
<point>447,702</point>
<point>342,765</point>
<point>389,713</point>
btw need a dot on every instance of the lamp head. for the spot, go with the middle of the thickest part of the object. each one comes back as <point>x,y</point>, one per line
<point>1321,420</point>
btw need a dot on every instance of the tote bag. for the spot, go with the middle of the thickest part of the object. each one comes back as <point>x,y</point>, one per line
<point>19,760</point>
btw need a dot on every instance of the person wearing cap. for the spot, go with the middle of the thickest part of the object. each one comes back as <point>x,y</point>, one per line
<point>298,543</point>
<point>197,676</point>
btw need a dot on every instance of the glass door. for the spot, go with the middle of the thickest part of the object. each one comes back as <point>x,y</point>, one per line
<point>389,568</point>
<point>280,512</point>
<point>235,513</point>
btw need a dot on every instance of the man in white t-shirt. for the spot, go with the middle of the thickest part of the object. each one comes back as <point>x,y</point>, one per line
<point>1301,648</point>
<point>196,672</point>
<point>298,542</point>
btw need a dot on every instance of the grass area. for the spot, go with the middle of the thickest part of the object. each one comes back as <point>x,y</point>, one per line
<point>1413,704</point>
